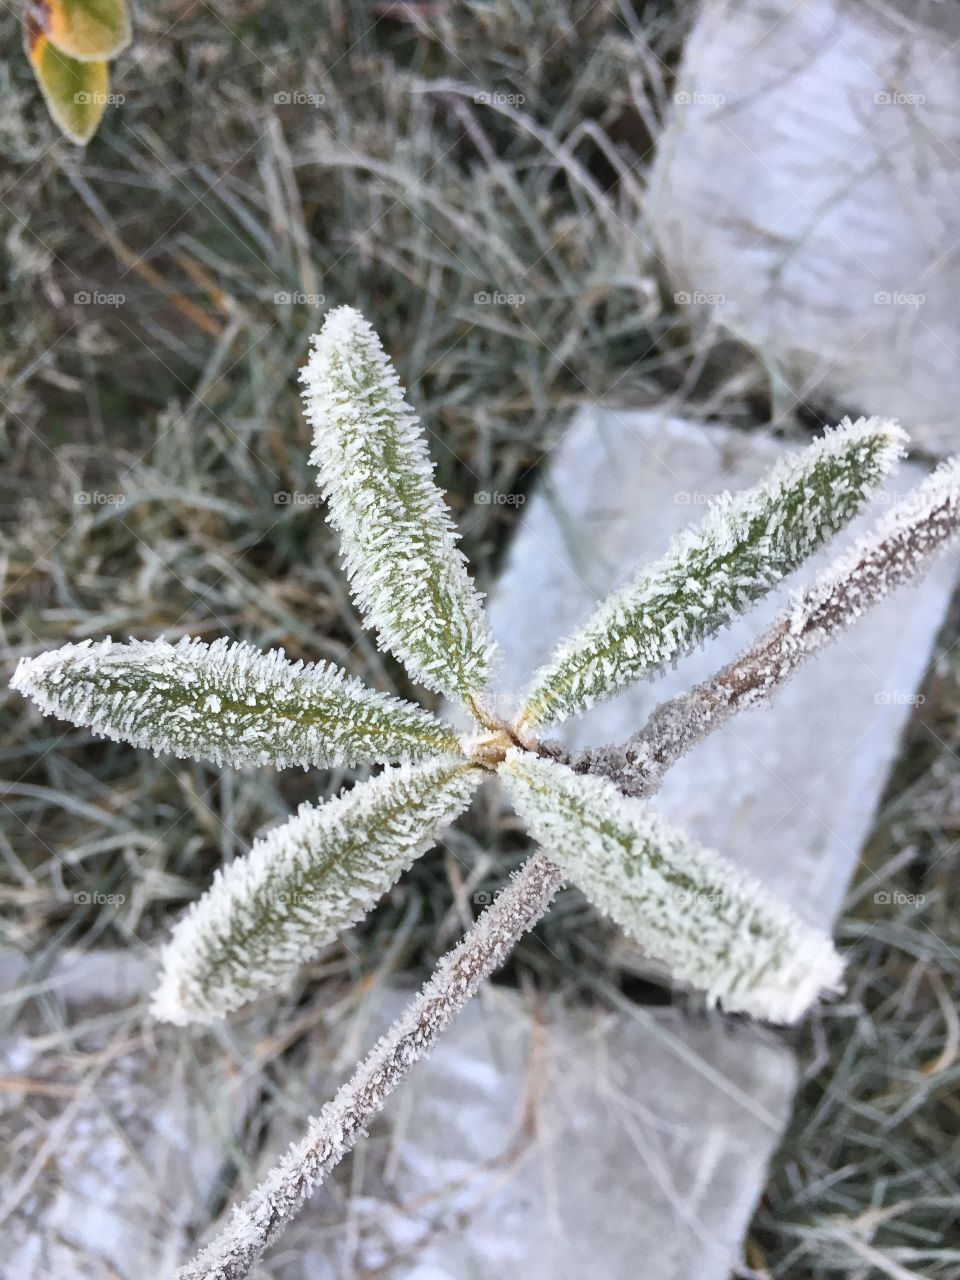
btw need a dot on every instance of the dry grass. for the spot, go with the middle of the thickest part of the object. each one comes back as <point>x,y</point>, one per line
<point>170,402</point>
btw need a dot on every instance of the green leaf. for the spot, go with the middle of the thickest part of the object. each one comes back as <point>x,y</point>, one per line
<point>229,703</point>
<point>76,92</point>
<point>88,30</point>
<point>711,573</point>
<point>716,928</point>
<point>304,882</point>
<point>397,539</point>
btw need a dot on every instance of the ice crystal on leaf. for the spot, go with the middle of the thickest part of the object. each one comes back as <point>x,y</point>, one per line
<point>714,571</point>
<point>229,703</point>
<point>317,874</point>
<point>303,883</point>
<point>716,928</point>
<point>397,539</point>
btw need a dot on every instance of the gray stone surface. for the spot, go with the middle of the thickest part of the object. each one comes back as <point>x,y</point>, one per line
<point>553,1144</point>
<point>114,1138</point>
<point>807,192</point>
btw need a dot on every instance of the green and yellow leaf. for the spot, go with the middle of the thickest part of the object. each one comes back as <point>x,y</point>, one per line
<point>75,92</point>
<point>88,30</point>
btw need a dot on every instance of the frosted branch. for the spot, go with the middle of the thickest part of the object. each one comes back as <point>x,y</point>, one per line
<point>263,1216</point>
<point>897,551</point>
<point>714,571</point>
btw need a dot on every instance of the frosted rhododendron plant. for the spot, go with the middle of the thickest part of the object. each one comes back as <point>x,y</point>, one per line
<point>307,880</point>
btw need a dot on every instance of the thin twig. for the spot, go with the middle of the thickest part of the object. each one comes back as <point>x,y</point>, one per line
<point>896,551</point>
<point>262,1217</point>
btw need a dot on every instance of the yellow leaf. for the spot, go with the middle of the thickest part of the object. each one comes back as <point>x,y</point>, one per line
<point>76,92</point>
<point>88,30</point>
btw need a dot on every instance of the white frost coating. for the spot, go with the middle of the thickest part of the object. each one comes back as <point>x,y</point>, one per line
<point>397,539</point>
<point>266,1212</point>
<point>303,883</point>
<point>712,572</point>
<point>896,550</point>
<point>717,928</point>
<point>230,703</point>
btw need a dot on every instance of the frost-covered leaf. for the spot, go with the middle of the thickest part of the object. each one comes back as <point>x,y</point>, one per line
<point>895,551</point>
<point>303,883</point>
<point>397,539</point>
<point>714,571</point>
<point>230,703</point>
<point>898,549</point>
<point>717,928</point>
